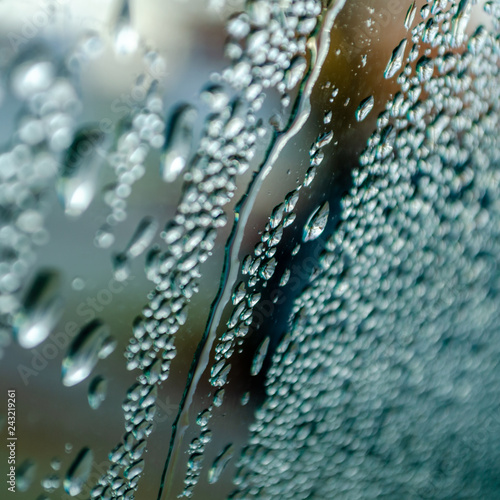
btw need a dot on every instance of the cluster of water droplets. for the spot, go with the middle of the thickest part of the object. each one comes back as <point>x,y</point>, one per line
<point>49,105</point>
<point>141,131</point>
<point>385,386</point>
<point>256,270</point>
<point>264,46</point>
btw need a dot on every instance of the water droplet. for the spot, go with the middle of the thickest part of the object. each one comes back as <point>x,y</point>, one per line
<point>83,354</point>
<point>220,463</point>
<point>108,347</point>
<point>295,72</point>
<point>364,108</point>
<point>245,399</point>
<point>104,237</point>
<point>78,284</point>
<point>425,69</point>
<point>203,418</point>
<point>179,142</point>
<point>324,139</point>
<point>41,310</point>
<point>291,200</point>
<point>316,223</point>
<point>97,392</point>
<point>142,238</point>
<point>285,277</point>
<point>460,22</point>
<point>126,37</point>
<point>55,463</point>
<point>25,474</point>
<point>410,15</point>
<point>396,60</point>
<point>425,11</point>
<point>79,472</point>
<point>219,397</point>
<point>259,12</point>
<point>215,96</point>
<point>121,267</point>
<point>259,357</point>
<point>32,77</point>
<point>78,180</point>
<point>267,271</point>
<point>51,483</point>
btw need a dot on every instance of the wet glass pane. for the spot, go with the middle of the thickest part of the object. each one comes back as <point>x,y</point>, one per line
<point>250,249</point>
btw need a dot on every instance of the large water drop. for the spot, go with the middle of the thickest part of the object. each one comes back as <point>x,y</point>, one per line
<point>41,310</point>
<point>77,184</point>
<point>84,352</point>
<point>179,142</point>
<point>220,463</point>
<point>396,60</point>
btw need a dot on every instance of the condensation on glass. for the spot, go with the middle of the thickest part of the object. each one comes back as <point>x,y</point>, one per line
<point>250,250</point>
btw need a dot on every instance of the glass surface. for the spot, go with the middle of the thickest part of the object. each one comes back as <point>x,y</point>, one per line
<point>250,249</point>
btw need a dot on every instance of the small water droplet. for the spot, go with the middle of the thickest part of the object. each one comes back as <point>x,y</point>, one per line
<point>55,463</point>
<point>425,11</point>
<point>78,284</point>
<point>245,398</point>
<point>121,267</point>
<point>179,142</point>
<point>259,357</point>
<point>219,397</point>
<point>266,272</point>
<point>295,72</point>
<point>316,223</point>
<point>51,483</point>
<point>104,237</point>
<point>97,392</point>
<point>285,277</point>
<point>220,463</point>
